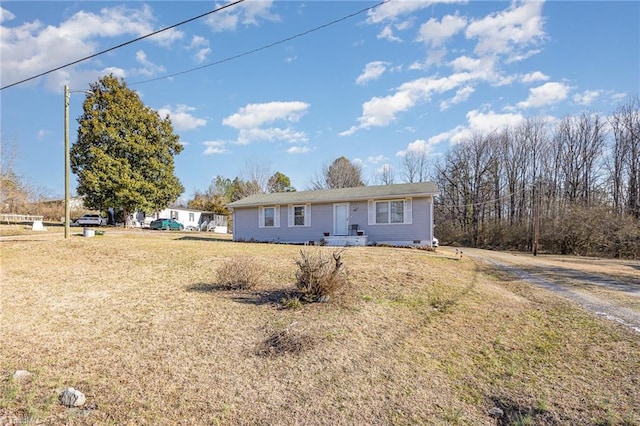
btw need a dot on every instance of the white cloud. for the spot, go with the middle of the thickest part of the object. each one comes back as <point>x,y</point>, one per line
<point>5,15</point>
<point>198,41</point>
<point>149,68</point>
<point>372,71</point>
<point>44,133</point>
<point>181,118</point>
<point>547,94</point>
<point>461,96</point>
<point>214,147</point>
<point>201,55</point>
<point>478,123</point>
<point>510,31</point>
<point>392,10</point>
<point>250,119</point>
<point>246,136</point>
<point>298,150</point>
<point>376,159</point>
<point>533,77</point>
<point>617,97</point>
<point>387,34</point>
<point>479,68</point>
<point>201,46</point>
<point>255,115</point>
<point>382,111</point>
<point>587,97</point>
<point>418,146</point>
<point>437,33</point>
<point>31,47</point>
<point>247,13</point>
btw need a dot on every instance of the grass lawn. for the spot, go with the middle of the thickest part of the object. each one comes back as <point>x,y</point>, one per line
<point>137,322</point>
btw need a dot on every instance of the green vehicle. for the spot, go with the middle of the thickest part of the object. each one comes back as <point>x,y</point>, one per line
<point>166,225</point>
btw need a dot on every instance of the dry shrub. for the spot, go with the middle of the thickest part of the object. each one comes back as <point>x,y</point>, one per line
<point>287,341</point>
<point>319,274</point>
<point>240,273</point>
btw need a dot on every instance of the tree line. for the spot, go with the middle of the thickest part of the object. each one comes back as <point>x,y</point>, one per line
<point>572,186</point>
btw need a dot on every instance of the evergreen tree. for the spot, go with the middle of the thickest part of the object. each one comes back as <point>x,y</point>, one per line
<point>124,155</point>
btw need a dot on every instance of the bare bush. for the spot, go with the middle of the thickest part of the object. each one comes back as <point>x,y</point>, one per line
<point>319,274</point>
<point>240,273</point>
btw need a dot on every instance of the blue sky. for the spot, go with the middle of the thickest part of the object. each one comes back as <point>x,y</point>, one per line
<point>406,75</point>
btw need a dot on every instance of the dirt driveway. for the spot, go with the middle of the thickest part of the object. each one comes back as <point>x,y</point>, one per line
<point>606,287</point>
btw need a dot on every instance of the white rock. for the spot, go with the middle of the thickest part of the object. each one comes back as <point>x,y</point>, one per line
<point>72,398</point>
<point>21,374</point>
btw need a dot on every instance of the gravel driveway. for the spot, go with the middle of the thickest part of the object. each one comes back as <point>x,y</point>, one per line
<point>606,287</point>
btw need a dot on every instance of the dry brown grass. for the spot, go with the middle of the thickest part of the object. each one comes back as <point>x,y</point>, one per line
<point>137,322</point>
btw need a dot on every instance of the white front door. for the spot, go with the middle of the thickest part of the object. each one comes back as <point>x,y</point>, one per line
<point>341,219</point>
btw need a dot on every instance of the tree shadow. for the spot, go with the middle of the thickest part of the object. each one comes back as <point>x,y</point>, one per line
<point>250,297</point>
<point>211,238</point>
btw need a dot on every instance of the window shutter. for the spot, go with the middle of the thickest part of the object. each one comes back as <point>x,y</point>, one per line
<point>276,219</point>
<point>290,218</point>
<point>307,214</point>
<point>260,217</point>
<point>371,212</point>
<point>408,216</point>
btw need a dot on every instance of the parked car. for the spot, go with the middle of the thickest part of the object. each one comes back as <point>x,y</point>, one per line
<point>166,224</point>
<point>91,220</point>
<point>435,242</point>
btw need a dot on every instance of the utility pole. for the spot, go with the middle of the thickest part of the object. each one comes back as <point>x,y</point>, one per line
<point>66,161</point>
<point>536,219</point>
<point>67,156</point>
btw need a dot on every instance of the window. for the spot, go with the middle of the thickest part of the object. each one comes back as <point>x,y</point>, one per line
<point>173,214</point>
<point>396,213</point>
<point>269,217</point>
<point>392,211</point>
<point>192,217</point>
<point>299,215</point>
<point>382,212</point>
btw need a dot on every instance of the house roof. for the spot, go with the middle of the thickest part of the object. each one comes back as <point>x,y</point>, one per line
<point>339,194</point>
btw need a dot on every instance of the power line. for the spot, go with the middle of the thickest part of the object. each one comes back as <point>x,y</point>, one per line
<point>268,46</point>
<point>122,45</point>
<point>482,203</point>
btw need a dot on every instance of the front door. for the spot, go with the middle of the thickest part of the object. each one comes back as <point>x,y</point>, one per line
<point>341,219</point>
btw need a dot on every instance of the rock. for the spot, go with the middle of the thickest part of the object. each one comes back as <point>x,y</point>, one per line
<point>72,398</point>
<point>21,374</point>
<point>496,412</point>
<point>324,299</point>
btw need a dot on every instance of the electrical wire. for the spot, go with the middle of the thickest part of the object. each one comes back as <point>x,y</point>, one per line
<point>122,45</point>
<point>482,203</point>
<point>265,47</point>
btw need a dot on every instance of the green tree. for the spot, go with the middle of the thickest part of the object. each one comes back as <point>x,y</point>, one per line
<point>279,182</point>
<point>124,155</point>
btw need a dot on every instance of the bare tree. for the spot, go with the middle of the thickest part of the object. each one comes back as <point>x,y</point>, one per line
<point>624,173</point>
<point>415,166</point>
<point>256,177</point>
<point>342,173</point>
<point>580,142</point>
<point>15,194</point>
<point>385,175</point>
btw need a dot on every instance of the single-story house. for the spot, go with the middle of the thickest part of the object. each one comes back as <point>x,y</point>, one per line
<point>190,218</point>
<point>400,214</point>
